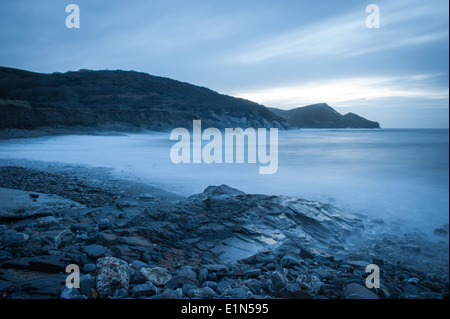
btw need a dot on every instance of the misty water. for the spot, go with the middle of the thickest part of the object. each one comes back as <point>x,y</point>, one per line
<point>397,175</point>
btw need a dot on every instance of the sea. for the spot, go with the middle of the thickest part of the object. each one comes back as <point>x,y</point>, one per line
<point>397,175</point>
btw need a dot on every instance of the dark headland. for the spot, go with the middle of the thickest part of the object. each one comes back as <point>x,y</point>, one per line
<point>129,101</point>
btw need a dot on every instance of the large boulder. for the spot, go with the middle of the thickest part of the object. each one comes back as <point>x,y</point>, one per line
<point>113,275</point>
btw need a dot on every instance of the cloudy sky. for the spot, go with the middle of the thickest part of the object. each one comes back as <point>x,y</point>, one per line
<point>283,54</point>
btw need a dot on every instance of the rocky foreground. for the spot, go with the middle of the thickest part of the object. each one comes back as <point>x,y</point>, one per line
<point>221,243</point>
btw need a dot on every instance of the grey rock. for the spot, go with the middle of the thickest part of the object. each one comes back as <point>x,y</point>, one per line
<point>411,289</point>
<point>306,254</point>
<point>378,261</point>
<point>216,268</point>
<point>205,293</point>
<point>210,284</point>
<point>254,285</point>
<point>89,267</point>
<point>113,275</point>
<point>212,276</point>
<point>234,293</point>
<point>13,239</point>
<point>290,261</point>
<point>441,232</point>
<point>71,293</point>
<point>310,283</point>
<point>94,251</point>
<point>189,290</point>
<point>87,282</point>
<point>222,286</point>
<point>271,266</point>
<point>356,291</point>
<point>47,287</point>
<point>167,294</point>
<point>253,273</point>
<point>148,289</point>
<point>48,222</point>
<point>121,293</point>
<point>137,264</point>
<point>179,281</point>
<point>203,275</point>
<point>187,271</point>
<point>122,203</point>
<point>276,281</point>
<point>103,224</point>
<point>157,275</point>
<point>292,291</point>
<point>358,263</point>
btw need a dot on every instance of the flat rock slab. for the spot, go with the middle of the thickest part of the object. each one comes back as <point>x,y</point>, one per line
<point>17,204</point>
<point>356,291</point>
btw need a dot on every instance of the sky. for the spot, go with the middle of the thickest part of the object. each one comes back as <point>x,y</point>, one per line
<point>283,54</point>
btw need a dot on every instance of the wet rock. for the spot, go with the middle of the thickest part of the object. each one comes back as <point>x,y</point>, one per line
<point>253,272</point>
<point>157,275</point>
<point>411,249</point>
<point>12,239</point>
<point>254,286</point>
<point>71,293</point>
<point>44,287</point>
<point>113,275</point>
<point>212,276</point>
<point>310,283</point>
<point>205,293</point>
<point>144,290</point>
<point>234,293</point>
<point>216,268</point>
<point>137,264</point>
<point>94,251</point>
<point>378,261</point>
<point>90,267</point>
<point>222,286</point>
<point>306,254</point>
<point>48,222</point>
<point>276,281</point>
<point>210,284</point>
<point>189,290</point>
<point>87,282</point>
<point>356,291</point>
<point>167,294</point>
<point>122,203</point>
<point>441,232</point>
<point>187,271</point>
<point>179,281</point>
<point>203,275</point>
<point>411,289</point>
<point>292,291</point>
<point>103,224</point>
<point>289,262</point>
<point>34,196</point>
<point>358,263</point>
<point>271,266</point>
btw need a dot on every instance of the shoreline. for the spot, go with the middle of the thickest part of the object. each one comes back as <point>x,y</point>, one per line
<point>146,228</point>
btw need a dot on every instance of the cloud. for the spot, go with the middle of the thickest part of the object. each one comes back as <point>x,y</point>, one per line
<point>403,24</point>
<point>338,92</point>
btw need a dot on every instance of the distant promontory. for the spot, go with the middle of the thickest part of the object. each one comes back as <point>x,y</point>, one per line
<point>124,100</point>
